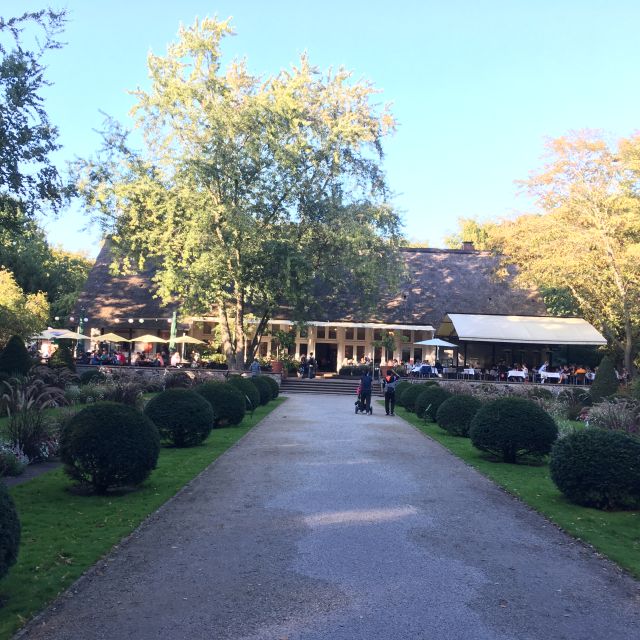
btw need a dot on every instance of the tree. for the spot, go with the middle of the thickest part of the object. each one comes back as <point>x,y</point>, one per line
<point>250,194</point>
<point>587,241</point>
<point>470,230</point>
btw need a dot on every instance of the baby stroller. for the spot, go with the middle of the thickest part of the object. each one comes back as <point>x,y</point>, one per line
<point>361,407</point>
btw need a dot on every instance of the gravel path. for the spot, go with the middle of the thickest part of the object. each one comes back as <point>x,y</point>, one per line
<point>322,524</point>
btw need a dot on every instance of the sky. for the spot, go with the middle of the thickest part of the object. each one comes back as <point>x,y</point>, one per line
<point>477,86</point>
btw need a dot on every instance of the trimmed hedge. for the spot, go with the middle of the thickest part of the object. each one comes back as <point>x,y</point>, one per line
<point>605,383</point>
<point>264,388</point>
<point>248,390</point>
<point>410,395</point>
<point>9,531</point>
<point>456,413</point>
<point>428,402</point>
<point>183,417</point>
<point>108,445</point>
<point>597,468</point>
<point>14,358</point>
<point>275,387</point>
<point>513,427</point>
<point>227,402</point>
<point>401,387</point>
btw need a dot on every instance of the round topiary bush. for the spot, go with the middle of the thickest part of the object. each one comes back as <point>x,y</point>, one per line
<point>9,531</point>
<point>263,387</point>
<point>14,358</point>
<point>456,413</point>
<point>248,390</point>
<point>605,383</point>
<point>598,468</point>
<point>401,387</point>
<point>62,358</point>
<point>410,395</point>
<point>227,402</point>
<point>183,417</point>
<point>108,445</point>
<point>275,387</point>
<point>92,376</point>
<point>428,402</point>
<point>177,380</point>
<point>513,427</point>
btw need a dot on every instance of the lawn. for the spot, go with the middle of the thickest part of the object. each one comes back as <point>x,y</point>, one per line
<point>65,534</point>
<point>615,534</point>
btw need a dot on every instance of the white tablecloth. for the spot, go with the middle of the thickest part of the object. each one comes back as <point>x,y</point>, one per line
<point>549,374</point>
<point>469,372</point>
<point>514,373</point>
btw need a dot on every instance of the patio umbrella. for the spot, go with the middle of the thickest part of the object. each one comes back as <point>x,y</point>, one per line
<point>60,334</point>
<point>437,343</point>
<point>147,338</point>
<point>188,340</point>
<point>111,337</point>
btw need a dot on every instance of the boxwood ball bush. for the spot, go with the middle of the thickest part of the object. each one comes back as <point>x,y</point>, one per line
<point>14,358</point>
<point>248,390</point>
<point>227,402</point>
<point>428,402</point>
<point>92,376</point>
<point>401,387</point>
<point>513,427</point>
<point>456,413</point>
<point>183,417</point>
<point>597,468</point>
<point>9,531</point>
<point>264,388</point>
<point>109,445</point>
<point>410,395</point>
<point>275,387</point>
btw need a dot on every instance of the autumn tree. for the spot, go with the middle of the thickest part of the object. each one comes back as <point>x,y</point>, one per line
<point>21,314</point>
<point>471,230</point>
<point>249,194</point>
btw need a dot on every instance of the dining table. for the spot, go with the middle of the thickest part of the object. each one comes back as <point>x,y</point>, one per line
<point>515,373</point>
<point>549,375</point>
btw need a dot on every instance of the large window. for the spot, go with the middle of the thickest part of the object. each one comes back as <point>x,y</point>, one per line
<point>264,348</point>
<point>333,334</point>
<point>360,352</point>
<point>360,333</point>
<point>377,334</point>
<point>320,332</point>
<point>348,333</point>
<point>406,355</point>
<point>348,351</point>
<point>417,354</point>
<point>303,349</point>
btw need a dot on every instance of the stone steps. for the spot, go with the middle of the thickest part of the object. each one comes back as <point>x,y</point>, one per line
<point>334,386</point>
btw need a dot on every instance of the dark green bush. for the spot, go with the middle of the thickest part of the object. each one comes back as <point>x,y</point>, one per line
<point>177,380</point>
<point>9,531</point>
<point>124,391</point>
<point>456,413</point>
<point>63,358</point>
<point>263,387</point>
<point>227,402</point>
<point>539,392</point>
<point>248,390</point>
<point>183,417</point>
<point>428,402</point>
<point>597,468</point>
<point>410,395</point>
<point>108,445</point>
<point>92,376</point>
<point>401,387</point>
<point>605,383</point>
<point>513,427</point>
<point>275,387</point>
<point>14,358</point>
<point>576,400</point>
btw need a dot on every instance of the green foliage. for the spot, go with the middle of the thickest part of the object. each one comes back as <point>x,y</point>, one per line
<point>429,401</point>
<point>227,402</point>
<point>616,414</point>
<point>177,380</point>
<point>401,387</point>
<point>29,431</point>
<point>510,428</point>
<point>248,390</point>
<point>456,413</point>
<point>410,395</point>
<point>9,531</point>
<point>108,445</point>
<point>183,417</point>
<point>264,388</point>
<point>63,358</point>
<point>14,358</point>
<point>275,387</point>
<point>597,468</point>
<point>91,377</point>
<point>12,461</point>
<point>605,383</point>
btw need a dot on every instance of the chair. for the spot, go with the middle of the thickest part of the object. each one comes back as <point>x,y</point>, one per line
<point>580,378</point>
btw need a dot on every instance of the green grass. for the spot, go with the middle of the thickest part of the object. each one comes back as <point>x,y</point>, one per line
<point>64,534</point>
<point>615,534</point>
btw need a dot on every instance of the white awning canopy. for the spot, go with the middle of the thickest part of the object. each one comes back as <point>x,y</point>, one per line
<point>525,329</point>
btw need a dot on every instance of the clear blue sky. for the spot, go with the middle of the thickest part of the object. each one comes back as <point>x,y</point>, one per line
<point>475,85</point>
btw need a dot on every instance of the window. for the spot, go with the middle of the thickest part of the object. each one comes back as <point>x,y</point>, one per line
<point>406,355</point>
<point>360,333</point>
<point>417,354</point>
<point>418,337</point>
<point>360,352</point>
<point>406,334</point>
<point>348,333</point>
<point>333,334</point>
<point>304,332</point>
<point>377,354</point>
<point>207,328</point>
<point>274,328</point>
<point>303,349</point>
<point>264,346</point>
<point>348,351</point>
<point>377,334</point>
<point>320,332</point>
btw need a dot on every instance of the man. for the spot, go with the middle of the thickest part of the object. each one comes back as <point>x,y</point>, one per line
<point>312,365</point>
<point>255,368</point>
<point>365,391</point>
<point>175,359</point>
<point>389,383</point>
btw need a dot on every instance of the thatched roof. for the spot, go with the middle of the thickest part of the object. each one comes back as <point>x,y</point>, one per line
<point>438,281</point>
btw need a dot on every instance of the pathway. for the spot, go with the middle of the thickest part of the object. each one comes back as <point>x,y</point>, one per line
<point>322,524</point>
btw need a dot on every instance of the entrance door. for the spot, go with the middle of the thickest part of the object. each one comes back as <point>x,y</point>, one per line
<point>326,356</point>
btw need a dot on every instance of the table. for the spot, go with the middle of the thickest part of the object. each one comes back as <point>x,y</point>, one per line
<point>469,372</point>
<point>514,373</point>
<point>544,375</point>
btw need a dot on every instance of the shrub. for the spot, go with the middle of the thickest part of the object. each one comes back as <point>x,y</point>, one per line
<point>12,461</point>
<point>91,376</point>
<point>14,358</point>
<point>123,391</point>
<point>616,415</point>
<point>606,382</point>
<point>456,413</point>
<point>61,377</point>
<point>275,387</point>
<point>410,395</point>
<point>539,392</point>
<point>183,417</point>
<point>401,387</point>
<point>635,389</point>
<point>177,380</point>
<point>108,445</point>
<point>62,358</point>
<point>597,468</point>
<point>264,388</point>
<point>512,427</point>
<point>227,402</point>
<point>29,431</point>
<point>248,390</point>
<point>9,531</point>
<point>18,394</point>
<point>428,402</point>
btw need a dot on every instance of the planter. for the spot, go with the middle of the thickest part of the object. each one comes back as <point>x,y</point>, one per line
<point>276,366</point>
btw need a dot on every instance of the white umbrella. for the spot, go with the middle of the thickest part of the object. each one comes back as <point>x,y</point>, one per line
<point>437,343</point>
<point>148,338</point>
<point>60,334</point>
<point>188,340</point>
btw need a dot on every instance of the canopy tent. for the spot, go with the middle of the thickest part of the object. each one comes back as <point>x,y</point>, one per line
<point>544,330</point>
<point>110,337</point>
<point>148,338</point>
<point>188,340</point>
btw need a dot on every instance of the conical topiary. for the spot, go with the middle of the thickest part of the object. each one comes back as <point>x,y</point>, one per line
<point>62,357</point>
<point>605,383</point>
<point>14,358</point>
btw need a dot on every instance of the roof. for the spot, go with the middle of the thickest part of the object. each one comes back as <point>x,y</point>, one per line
<point>523,329</point>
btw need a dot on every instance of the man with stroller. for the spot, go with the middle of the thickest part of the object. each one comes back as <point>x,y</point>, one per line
<point>365,390</point>
<point>389,383</point>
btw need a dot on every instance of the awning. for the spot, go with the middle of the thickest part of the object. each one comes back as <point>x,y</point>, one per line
<point>524,329</point>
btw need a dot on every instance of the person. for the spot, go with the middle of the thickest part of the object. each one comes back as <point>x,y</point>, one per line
<point>389,383</point>
<point>159,361</point>
<point>121,358</point>
<point>365,391</point>
<point>311,362</point>
<point>304,366</point>
<point>255,367</point>
<point>175,359</point>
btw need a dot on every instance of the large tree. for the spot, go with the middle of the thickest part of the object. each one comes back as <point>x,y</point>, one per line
<point>249,194</point>
<point>20,314</point>
<point>586,244</point>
